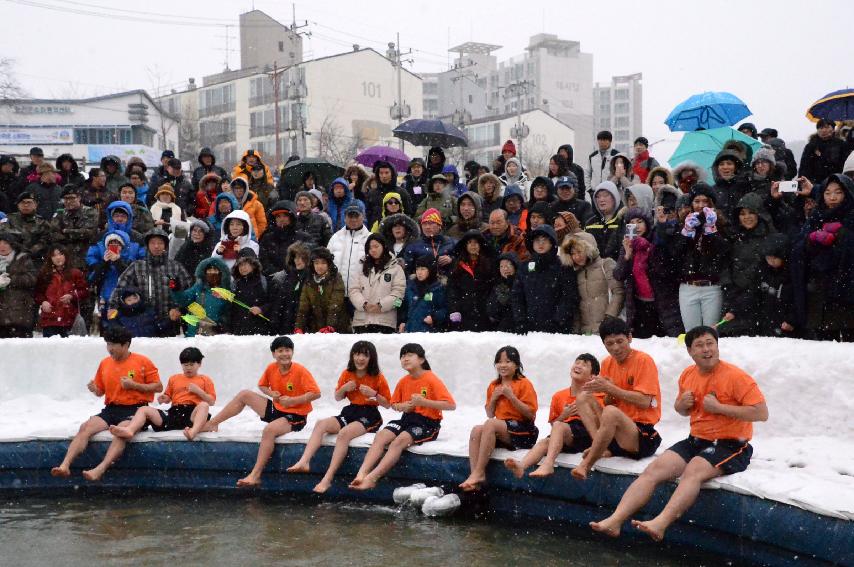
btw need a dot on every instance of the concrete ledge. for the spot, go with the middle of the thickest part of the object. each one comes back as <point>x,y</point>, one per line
<point>736,526</point>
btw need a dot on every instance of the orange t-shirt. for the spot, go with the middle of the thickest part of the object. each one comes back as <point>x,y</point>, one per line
<point>177,389</point>
<point>522,389</point>
<point>428,385</point>
<point>293,383</point>
<point>563,398</point>
<point>108,379</point>
<point>356,397</point>
<point>732,386</point>
<point>637,374</point>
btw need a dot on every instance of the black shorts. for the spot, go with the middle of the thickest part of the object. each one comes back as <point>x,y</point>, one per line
<point>580,438</point>
<point>368,416</point>
<point>114,414</point>
<point>523,435</point>
<point>421,429</point>
<point>176,417</point>
<point>728,455</point>
<point>648,442</point>
<point>272,413</point>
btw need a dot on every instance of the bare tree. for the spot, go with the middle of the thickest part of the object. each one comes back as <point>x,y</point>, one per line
<point>334,145</point>
<point>189,136</point>
<point>158,81</point>
<point>536,156</point>
<point>9,87</point>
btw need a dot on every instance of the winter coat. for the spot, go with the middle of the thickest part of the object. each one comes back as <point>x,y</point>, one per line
<point>462,226</point>
<point>728,192</point>
<point>140,319</point>
<point>499,308</point>
<point>76,231</point>
<point>243,170</point>
<point>625,181</point>
<point>598,169</point>
<point>216,308</point>
<point>599,293</point>
<point>216,218</point>
<point>511,241</point>
<point>142,219</point>
<point>73,175</point>
<point>114,180</point>
<point>348,248</point>
<point>375,197</point>
<point>683,184</point>
<point>190,255</point>
<point>51,289</point>
<point>336,208</point>
<point>423,299</point>
<point>289,283</point>
<point>550,191</point>
<point>275,242</point>
<point>545,293</point>
<point>205,198</point>
<point>321,304</point>
<point>601,227</point>
<point>582,210</point>
<point>314,225</point>
<point>521,180</point>
<point>202,171</point>
<point>488,205</point>
<point>439,245</point>
<point>822,158</point>
<point>576,169</point>
<point>468,289</point>
<point>412,229</point>
<point>16,300</point>
<point>668,175</point>
<point>233,247</point>
<point>105,275</point>
<point>98,199</point>
<point>254,290</point>
<point>176,216</point>
<point>35,234</point>
<point>47,196</point>
<point>645,201</point>
<point>410,183</point>
<point>642,164</point>
<point>385,287</point>
<point>253,207</point>
<point>701,257</point>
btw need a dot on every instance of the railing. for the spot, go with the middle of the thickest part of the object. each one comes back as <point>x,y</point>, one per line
<point>217,109</point>
<point>266,130</point>
<point>266,98</point>
<point>216,139</point>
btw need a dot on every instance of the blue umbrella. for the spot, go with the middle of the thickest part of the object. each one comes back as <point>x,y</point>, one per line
<point>836,106</point>
<point>706,111</point>
<point>420,132</point>
<point>703,146</point>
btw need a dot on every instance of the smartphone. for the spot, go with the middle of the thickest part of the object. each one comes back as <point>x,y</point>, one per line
<point>789,186</point>
<point>114,248</point>
<point>631,231</point>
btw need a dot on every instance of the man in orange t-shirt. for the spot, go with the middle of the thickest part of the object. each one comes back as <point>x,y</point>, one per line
<point>722,401</point>
<point>291,389</point>
<point>629,379</point>
<point>127,381</point>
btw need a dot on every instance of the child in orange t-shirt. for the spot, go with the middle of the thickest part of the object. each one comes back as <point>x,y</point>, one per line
<point>422,397</point>
<point>190,393</point>
<point>365,387</point>
<point>569,432</point>
<point>291,389</point>
<point>127,381</point>
<point>511,407</point>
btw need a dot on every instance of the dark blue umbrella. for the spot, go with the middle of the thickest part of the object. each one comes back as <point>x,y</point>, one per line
<point>836,106</point>
<point>706,111</point>
<point>420,132</point>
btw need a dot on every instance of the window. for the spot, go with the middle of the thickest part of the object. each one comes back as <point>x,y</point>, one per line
<point>621,134</point>
<point>483,136</point>
<point>605,123</point>
<point>430,88</point>
<point>281,47</point>
<point>116,135</point>
<point>604,109</point>
<point>621,108</point>
<point>216,100</point>
<point>260,91</point>
<point>215,132</point>
<point>621,94</point>
<point>621,122</point>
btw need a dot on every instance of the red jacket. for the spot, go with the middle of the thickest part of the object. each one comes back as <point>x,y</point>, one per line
<point>71,282</point>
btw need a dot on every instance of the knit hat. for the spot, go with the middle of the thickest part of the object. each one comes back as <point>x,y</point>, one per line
<point>509,146</point>
<point>764,154</point>
<point>703,189</point>
<point>113,238</point>
<point>165,189</point>
<point>572,225</point>
<point>541,208</point>
<point>432,215</point>
<point>318,194</point>
<point>202,225</point>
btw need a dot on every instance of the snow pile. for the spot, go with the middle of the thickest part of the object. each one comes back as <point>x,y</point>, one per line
<point>804,454</point>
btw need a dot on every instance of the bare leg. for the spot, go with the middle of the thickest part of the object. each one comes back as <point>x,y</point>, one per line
<point>613,425</point>
<point>87,429</point>
<point>199,417</point>
<point>395,449</point>
<point>257,402</point>
<point>114,451</point>
<point>590,412</point>
<point>530,459</point>
<point>698,471</point>
<point>382,440</point>
<point>474,445</point>
<point>143,415</point>
<point>323,427</point>
<point>666,467</point>
<point>561,434</point>
<point>265,449</point>
<point>492,429</point>
<point>342,444</point>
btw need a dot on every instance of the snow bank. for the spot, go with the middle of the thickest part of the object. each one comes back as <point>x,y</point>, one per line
<point>804,454</point>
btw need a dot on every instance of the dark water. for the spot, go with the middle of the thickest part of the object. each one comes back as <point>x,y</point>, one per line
<point>211,530</point>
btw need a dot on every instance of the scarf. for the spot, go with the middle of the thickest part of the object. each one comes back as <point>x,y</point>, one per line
<point>5,261</point>
<point>640,262</point>
<point>638,165</point>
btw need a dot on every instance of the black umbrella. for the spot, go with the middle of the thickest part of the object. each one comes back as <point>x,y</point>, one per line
<point>324,172</point>
<point>420,132</point>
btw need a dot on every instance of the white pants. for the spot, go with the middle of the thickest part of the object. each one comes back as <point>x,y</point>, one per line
<point>700,305</point>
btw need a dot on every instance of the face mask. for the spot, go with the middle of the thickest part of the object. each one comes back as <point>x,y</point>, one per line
<point>213,279</point>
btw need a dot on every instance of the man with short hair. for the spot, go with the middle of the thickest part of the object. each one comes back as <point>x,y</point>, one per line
<point>35,231</point>
<point>348,245</point>
<point>30,173</point>
<point>824,154</point>
<point>599,163</point>
<point>629,379</point>
<point>280,234</point>
<point>75,226</point>
<point>643,162</point>
<point>185,197</point>
<point>95,195</point>
<point>504,237</point>
<point>310,222</point>
<point>722,402</point>
<point>158,175</point>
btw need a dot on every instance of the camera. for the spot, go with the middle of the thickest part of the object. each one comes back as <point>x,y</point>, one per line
<point>789,186</point>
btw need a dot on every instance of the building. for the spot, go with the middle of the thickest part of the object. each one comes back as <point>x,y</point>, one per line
<point>123,124</point>
<point>619,109</point>
<point>328,107</point>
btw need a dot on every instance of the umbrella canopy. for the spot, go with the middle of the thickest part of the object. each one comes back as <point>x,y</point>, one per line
<point>836,106</point>
<point>397,158</point>
<point>707,110</point>
<point>420,132</point>
<point>703,146</point>
<point>324,172</point>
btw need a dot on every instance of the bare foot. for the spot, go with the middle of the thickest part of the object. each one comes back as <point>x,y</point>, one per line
<point>650,528</point>
<point>366,483</point>
<point>299,467</point>
<point>580,472</point>
<point>120,432</point>
<point>322,486</point>
<point>605,454</point>
<point>188,433</point>
<point>208,428</point>
<point>60,472</point>
<point>249,482</point>
<point>515,467</point>
<point>356,481</point>
<point>606,527</point>
<point>93,475</point>
<point>543,471</point>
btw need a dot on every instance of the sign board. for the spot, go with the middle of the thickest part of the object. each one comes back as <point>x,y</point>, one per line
<point>150,156</point>
<point>43,109</point>
<point>34,136</point>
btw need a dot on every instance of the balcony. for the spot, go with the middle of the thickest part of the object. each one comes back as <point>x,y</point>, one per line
<point>217,109</point>
<point>266,98</point>
<point>266,130</point>
<point>217,139</point>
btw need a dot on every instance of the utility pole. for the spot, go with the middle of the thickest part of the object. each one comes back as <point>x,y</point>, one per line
<point>520,131</point>
<point>399,111</point>
<point>462,116</point>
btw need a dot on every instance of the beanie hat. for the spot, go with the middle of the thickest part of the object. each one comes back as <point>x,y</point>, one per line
<point>114,238</point>
<point>572,224</point>
<point>509,146</point>
<point>764,154</point>
<point>432,215</point>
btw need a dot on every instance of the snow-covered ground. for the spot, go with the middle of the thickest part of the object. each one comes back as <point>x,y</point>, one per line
<point>804,454</point>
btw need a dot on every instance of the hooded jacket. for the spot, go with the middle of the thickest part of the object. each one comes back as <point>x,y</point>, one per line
<point>455,186</point>
<point>728,192</point>
<point>488,205</point>
<point>234,246</point>
<point>289,283</point>
<point>16,299</point>
<point>375,227</point>
<point>469,284</point>
<point>442,201</point>
<point>313,224</point>
<point>575,168</point>
<point>348,248</point>
<point>627,180</point>
<point>216,308</point>
<point>47,196</point>
<point>822,158</point>
<point>9,184</point>
<point>645,201</point>
<point>276,241</point>
<point>114,180</point>
<point>206,198</point>
<point>203,171</point>
<point>322,302</point>
<point>599,293</point>
<point>434,169</point>
<point>242,170</point>
<point>385,287</point>
<point>685,185</point>
<point>416,187</point>
<point>52,288</point>
<point>252,207</point>
<point>412,229</point>
<point>103,274</point>
<point>423,299</point>
<point>499,308</point>
<point>376,196</point>
<point>191,254</point>
<point>73,175</point>
<point>127,227</point>
<point>602,227</point>
<point>254,290</point>
<point>337,207</point>
<point>216,218</point>
<point>660,171</point>
<point>462,226</point>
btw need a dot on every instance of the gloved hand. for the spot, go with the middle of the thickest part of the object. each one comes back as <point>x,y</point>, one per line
<point>456,317</point>
<point>5,280</point>
<point>822,238</point>
<point>692,220</point>
<point>711,220</point>
<point>832,227</point>
<point>299,332</point>
<point>326,329</point>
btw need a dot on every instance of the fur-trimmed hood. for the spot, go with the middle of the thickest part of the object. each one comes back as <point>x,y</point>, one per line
<point>218,264</point>
<point>668,175</point>
<point>499,187</point>
<point>702,174</point>
<point>399,218</point>
<point>585,241</point>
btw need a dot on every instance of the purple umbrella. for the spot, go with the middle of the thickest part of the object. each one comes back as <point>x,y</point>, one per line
<point>397,158</point>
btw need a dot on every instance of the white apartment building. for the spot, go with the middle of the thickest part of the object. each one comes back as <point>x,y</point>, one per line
<point>619,109</point>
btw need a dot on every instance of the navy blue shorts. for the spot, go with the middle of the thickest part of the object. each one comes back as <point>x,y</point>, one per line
<point>176,417</point>
<point>114,414</point>
<point>728,455</point>
<point>580,438</point>
<point>368,416</point>
<point>272,413</point>
<point>648,442</point>
<point>421,429</point>
<point>523,435</point>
